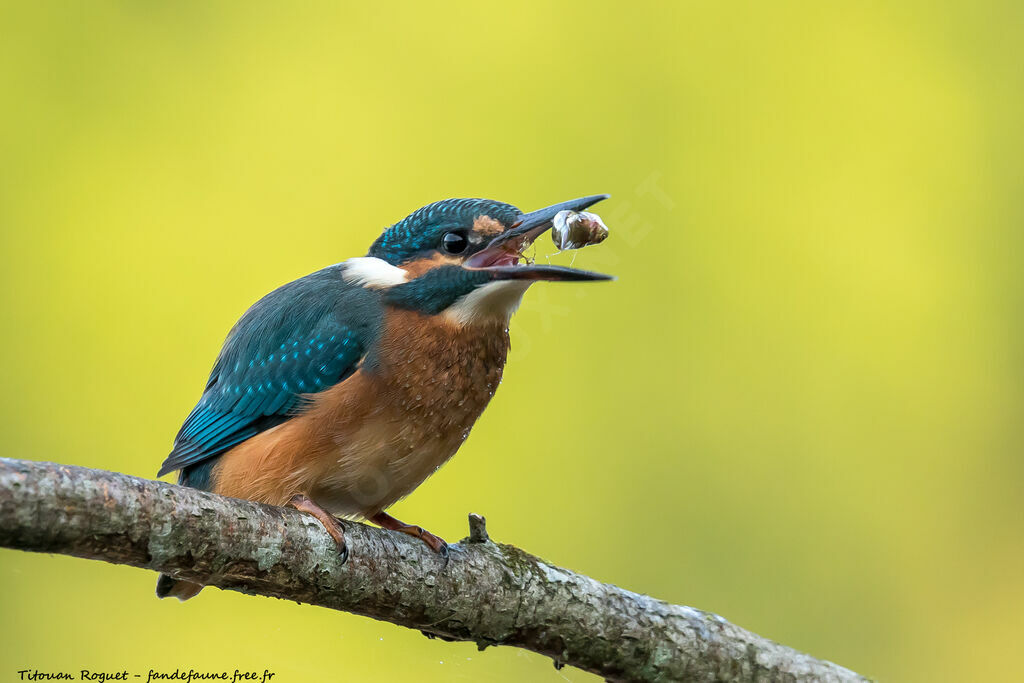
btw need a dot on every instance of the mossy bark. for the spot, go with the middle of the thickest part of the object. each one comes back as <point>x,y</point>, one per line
<point>489,593</point>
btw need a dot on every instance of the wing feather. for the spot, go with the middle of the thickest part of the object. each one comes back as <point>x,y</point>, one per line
<point>300,339</point>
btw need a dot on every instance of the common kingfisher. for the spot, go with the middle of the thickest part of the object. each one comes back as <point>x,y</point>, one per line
<point>341,392</point>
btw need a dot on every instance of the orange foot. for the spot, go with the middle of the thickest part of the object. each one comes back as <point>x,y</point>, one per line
<point>436,543</point>
<point>331,523</point>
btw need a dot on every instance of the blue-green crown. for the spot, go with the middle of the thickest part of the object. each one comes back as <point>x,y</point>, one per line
<point>423,229</point>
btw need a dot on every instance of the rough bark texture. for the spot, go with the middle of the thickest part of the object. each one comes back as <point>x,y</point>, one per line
<point>489,593</point>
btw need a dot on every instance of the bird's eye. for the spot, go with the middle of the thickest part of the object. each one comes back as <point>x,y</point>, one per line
<point>454,243</point>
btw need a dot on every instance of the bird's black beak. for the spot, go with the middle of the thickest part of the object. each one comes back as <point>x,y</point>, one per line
<point>501,256</point>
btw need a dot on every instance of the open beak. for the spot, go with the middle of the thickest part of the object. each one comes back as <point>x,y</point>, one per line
<point>501,256</point>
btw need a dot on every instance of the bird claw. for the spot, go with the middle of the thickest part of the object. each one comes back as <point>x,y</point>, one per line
<point>334,527</point>
<point>435,543</point>
<point>445,555</point>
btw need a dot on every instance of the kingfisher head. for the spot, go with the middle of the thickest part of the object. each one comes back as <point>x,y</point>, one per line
<point>462,258</point>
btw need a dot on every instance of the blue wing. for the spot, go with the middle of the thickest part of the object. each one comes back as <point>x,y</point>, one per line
<point>298,340</point>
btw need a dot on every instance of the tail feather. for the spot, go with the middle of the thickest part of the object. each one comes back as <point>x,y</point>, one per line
<point>198,476</point>
<point>166,587</point>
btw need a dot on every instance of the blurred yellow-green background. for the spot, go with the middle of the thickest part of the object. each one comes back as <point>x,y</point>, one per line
<point>800,406</point>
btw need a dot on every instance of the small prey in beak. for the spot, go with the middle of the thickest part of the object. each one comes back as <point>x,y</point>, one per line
<point>502,255</point>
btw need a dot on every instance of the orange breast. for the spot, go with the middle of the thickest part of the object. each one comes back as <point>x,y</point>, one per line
<point>369,441</point>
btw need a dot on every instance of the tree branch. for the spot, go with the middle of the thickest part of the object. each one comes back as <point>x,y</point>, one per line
<point>489,593</point>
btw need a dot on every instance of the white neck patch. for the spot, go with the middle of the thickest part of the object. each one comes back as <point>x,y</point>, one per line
<point>372,272</point>
<point>493,302</point>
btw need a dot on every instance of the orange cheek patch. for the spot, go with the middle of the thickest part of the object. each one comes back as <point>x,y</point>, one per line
<point>421,266</point>
<point>487,226</point>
